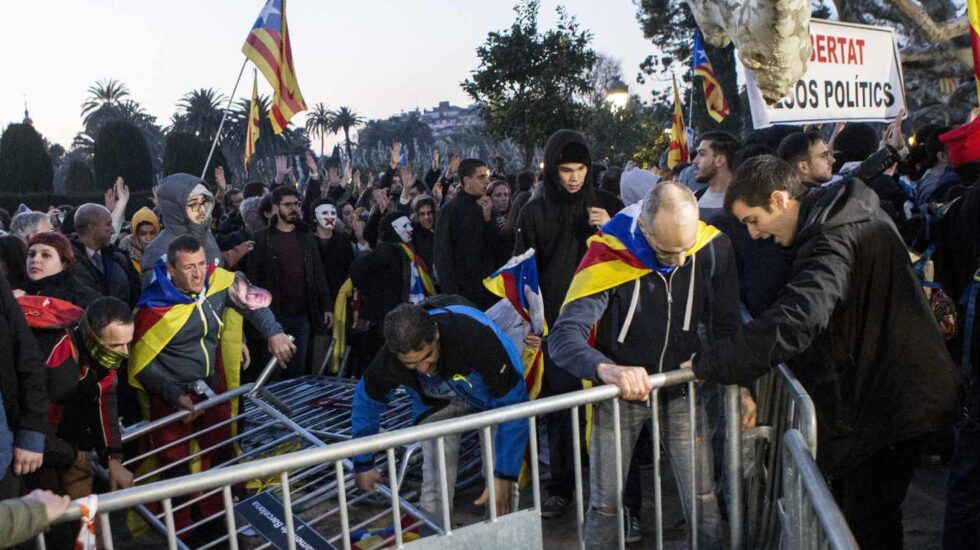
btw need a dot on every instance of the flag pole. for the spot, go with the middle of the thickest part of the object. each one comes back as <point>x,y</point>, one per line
<point>690,104</point>
<point>224,116</point>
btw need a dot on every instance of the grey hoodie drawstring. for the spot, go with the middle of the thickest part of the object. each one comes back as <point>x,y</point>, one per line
<point>690,294</point>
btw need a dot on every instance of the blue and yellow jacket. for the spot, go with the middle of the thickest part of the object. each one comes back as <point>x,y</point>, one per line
<point>476,361</point>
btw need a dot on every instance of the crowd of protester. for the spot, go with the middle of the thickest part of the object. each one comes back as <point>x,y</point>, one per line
<point>856,254</point>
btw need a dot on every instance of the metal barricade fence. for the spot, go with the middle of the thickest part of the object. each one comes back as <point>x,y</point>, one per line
<point>811,518</point>
<point>519,529</point>
<point>321,469</point>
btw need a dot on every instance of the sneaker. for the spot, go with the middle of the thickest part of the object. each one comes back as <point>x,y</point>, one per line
<point>554,506</point>
<point>633,533</point>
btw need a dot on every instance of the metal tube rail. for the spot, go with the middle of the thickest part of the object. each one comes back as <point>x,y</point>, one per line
<point>142,429</point>
<point>167,489</point>
<point>804,470</point>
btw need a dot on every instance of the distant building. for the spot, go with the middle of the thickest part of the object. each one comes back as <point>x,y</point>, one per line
<point>447,119</point>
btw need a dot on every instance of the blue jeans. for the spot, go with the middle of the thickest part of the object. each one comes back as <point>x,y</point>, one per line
<point>600,526</point>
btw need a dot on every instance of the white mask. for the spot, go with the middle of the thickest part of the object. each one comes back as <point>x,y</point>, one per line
<point>403,227</point>
<point>326,216</point>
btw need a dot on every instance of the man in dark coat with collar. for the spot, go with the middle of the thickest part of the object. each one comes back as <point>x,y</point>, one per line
<point>854,326</point>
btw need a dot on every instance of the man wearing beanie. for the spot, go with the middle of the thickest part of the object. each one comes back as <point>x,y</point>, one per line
<point>556,225</point>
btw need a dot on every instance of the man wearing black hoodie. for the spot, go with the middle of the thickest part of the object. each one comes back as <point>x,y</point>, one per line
<point>556,225</point>
<point>855,327</point>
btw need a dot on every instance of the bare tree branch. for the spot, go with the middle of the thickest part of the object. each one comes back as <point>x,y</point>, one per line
<point>936,32</point>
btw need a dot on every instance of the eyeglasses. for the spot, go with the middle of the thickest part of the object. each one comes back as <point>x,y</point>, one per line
<point>197,205</point>
<point>291,204</point>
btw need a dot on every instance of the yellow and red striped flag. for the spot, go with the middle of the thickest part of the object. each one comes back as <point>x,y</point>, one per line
<point>252,133</point>
<point>267,46</point>
<point>714,97</point>
<point>677,152</point>
<point>973,11</point>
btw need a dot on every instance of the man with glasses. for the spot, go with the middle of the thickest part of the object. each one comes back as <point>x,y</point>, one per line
<point>810,155</point>
<point>185,206</point>
<point>286,261</point>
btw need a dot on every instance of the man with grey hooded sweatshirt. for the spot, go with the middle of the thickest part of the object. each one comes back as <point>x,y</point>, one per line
<point>185,208</point>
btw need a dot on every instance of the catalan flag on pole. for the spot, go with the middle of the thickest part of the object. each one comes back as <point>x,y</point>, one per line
<point>973,10</point>
<point>267,46</point>
<point>252,133</point>
<point>677,152</point>
<point>713,94</point>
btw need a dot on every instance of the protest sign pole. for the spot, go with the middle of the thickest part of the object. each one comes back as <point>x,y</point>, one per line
<point>224,116</point>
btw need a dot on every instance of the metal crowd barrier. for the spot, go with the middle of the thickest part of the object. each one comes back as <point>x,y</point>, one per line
<point>519,529</point>
<point>319,471</point>
<point>812,519</point>
<point>272,421</point>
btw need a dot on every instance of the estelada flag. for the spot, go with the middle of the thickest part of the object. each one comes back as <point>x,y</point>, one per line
<point>677,152</point>
<point>267,46</point>
<point>714,96</point>
<point>252,133</point>
<point>618,254</point>
<point>973,13</point>
<point>517,282</point>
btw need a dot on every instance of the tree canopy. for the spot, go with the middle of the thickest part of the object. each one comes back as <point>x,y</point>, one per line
<point>528,80</point>
<point>120,150</point>
<point>25,166</point>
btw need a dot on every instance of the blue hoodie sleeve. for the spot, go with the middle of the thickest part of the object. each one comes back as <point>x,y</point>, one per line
<point>365,421</point>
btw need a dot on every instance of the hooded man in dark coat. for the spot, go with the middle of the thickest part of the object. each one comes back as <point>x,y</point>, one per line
<point>854,325</point>
<point>185,208</point>
<point>556,225</point>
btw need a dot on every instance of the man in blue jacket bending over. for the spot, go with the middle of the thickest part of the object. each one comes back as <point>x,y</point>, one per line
<point>453,360</point>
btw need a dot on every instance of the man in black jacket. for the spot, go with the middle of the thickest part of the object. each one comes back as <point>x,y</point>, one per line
<point>464,235</point>
<point>286,261</point>
<point>23,396</point>
<point>556,225</point>
<point>854,325</point>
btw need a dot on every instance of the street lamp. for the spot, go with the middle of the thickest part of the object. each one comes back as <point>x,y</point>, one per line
<point>617,94</point>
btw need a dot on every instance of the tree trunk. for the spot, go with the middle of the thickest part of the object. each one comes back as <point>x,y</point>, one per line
<point>347,144</point>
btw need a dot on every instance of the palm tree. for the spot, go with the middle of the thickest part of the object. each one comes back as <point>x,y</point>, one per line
<point>103,92</point>
<point>201,112</point>
<point>318,123</point>
<point>345,119</point>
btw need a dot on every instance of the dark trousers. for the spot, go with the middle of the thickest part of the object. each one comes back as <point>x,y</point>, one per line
<point>297,326</point>
<point>871,494</point>
<point>179,430</point>
<point>961,528</point>
<point>559,425</point>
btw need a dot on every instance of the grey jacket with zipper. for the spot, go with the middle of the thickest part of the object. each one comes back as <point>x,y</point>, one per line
<point>651,322</point>
<point>192,353</point>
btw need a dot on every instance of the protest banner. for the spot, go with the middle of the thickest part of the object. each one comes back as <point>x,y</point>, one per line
<point>854,74</point>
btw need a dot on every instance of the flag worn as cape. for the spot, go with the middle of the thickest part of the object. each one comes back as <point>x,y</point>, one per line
<point>340,325</point>
<point>424,284</point>
<point>161,312</point>
<point>618,254</point>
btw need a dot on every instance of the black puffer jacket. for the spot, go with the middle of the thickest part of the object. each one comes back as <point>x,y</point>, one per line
<point>556,224</point>
<point>22,382</point>
<point>854,326</point>
<point>62,286</point>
